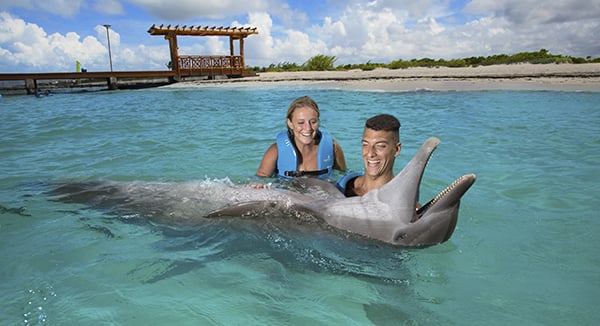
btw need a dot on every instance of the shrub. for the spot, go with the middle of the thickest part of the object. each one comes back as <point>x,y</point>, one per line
<point>320,62</point>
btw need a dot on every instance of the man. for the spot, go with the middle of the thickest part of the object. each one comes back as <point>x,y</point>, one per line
<point>380,146</point>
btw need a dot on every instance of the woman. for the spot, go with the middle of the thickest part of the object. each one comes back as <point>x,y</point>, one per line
<point>302,150</point>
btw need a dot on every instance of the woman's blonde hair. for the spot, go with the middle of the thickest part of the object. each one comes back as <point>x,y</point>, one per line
<point>302,102</point>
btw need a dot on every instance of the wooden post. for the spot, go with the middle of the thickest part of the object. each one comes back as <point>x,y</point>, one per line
<point>112,82</point>
<point>242,55</point>
<point>173,47</point>
<point>231,54</point>
<point>31,86</point>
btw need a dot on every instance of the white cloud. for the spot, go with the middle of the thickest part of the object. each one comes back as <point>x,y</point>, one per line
<point>259,48</point>
<point>216,44</point>
<point>382,31</point>
<point>531,12</point>
<point>297,47</point>
<point>357,31</point>
<point>410,9</point>
<point>188,9</point>
<point>141,57</point>
<point>275,45</point>
<point>387,30</point>
<point>26,47</point>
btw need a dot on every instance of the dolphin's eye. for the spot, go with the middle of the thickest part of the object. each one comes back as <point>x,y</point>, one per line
<point>400,236</point>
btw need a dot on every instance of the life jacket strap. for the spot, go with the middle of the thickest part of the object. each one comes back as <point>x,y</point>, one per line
<point>303,173</point>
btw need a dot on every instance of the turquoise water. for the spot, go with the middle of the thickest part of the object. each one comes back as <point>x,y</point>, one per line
<point>525,250</point>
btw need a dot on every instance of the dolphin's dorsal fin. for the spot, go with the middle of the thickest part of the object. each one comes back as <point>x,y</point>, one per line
<point>401,194</point>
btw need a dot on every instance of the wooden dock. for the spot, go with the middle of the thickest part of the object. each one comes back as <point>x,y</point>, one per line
<point>35,82</point>
<point>180,66</point>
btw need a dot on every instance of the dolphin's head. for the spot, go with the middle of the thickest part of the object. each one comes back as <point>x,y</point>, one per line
<point>434,222</point>
<point>392,214</point>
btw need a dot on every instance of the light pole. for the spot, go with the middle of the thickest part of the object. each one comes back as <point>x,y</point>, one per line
<point>109,54</point>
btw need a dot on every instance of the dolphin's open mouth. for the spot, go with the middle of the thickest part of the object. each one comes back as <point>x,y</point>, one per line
<point>420,210</point>
<point>465,179</point>
<point>448,197</point>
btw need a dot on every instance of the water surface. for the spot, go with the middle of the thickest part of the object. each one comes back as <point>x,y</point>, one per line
<point>524,250</point>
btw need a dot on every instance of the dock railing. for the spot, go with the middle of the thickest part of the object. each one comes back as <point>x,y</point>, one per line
<point>211,65</point>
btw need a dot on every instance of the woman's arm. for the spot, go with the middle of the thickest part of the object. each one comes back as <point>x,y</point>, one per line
<point>269,162</point>
<point>339,159</point>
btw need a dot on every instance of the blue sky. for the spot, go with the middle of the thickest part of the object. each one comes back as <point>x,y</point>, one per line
<point>51,35</point>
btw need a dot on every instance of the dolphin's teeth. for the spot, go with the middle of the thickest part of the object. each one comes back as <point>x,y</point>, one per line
<point>445,191</point>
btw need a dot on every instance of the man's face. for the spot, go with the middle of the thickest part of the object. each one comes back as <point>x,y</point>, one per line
<point>379,150</point>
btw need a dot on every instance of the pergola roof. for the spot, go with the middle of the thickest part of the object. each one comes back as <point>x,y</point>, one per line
<point>234,32</point>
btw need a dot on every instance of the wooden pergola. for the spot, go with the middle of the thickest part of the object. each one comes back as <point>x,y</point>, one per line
<point>206,65</point>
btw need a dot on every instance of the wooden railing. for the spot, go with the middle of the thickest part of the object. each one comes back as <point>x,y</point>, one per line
<point>211,65</point>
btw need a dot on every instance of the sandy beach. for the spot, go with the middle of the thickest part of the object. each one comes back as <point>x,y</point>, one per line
<point>567,77</point>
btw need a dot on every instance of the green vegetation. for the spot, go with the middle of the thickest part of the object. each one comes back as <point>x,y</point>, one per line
<point>320,63</point>
<point>285,66</point>
<point>323,62</point>
<point>363,66</point>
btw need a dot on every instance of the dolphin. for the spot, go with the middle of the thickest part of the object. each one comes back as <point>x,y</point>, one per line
<point>390,214</point>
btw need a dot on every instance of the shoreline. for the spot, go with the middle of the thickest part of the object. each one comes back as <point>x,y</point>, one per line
<point>552,77</point>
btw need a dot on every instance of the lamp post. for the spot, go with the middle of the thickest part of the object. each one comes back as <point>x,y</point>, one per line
<point>109,53</point>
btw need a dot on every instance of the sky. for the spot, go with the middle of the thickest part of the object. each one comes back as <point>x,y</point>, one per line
<point>52,35</point>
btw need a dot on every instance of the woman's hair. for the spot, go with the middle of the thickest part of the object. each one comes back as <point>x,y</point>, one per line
<point>302,102</point>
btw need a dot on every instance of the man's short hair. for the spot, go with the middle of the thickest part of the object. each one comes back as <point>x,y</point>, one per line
<point>385,122</point>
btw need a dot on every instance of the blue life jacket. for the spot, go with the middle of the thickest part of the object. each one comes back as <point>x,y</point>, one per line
<point>287,156</point>
<point>343,181</point>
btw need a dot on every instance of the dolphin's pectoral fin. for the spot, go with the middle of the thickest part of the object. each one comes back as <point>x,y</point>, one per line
<point>262,209</point>
<point>290,216</point>
<point>245,209</point>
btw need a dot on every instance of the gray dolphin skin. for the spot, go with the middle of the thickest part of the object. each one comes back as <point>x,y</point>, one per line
<point>389,214</point>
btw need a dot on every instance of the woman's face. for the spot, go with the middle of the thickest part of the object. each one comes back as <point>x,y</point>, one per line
<point>304,124</point>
